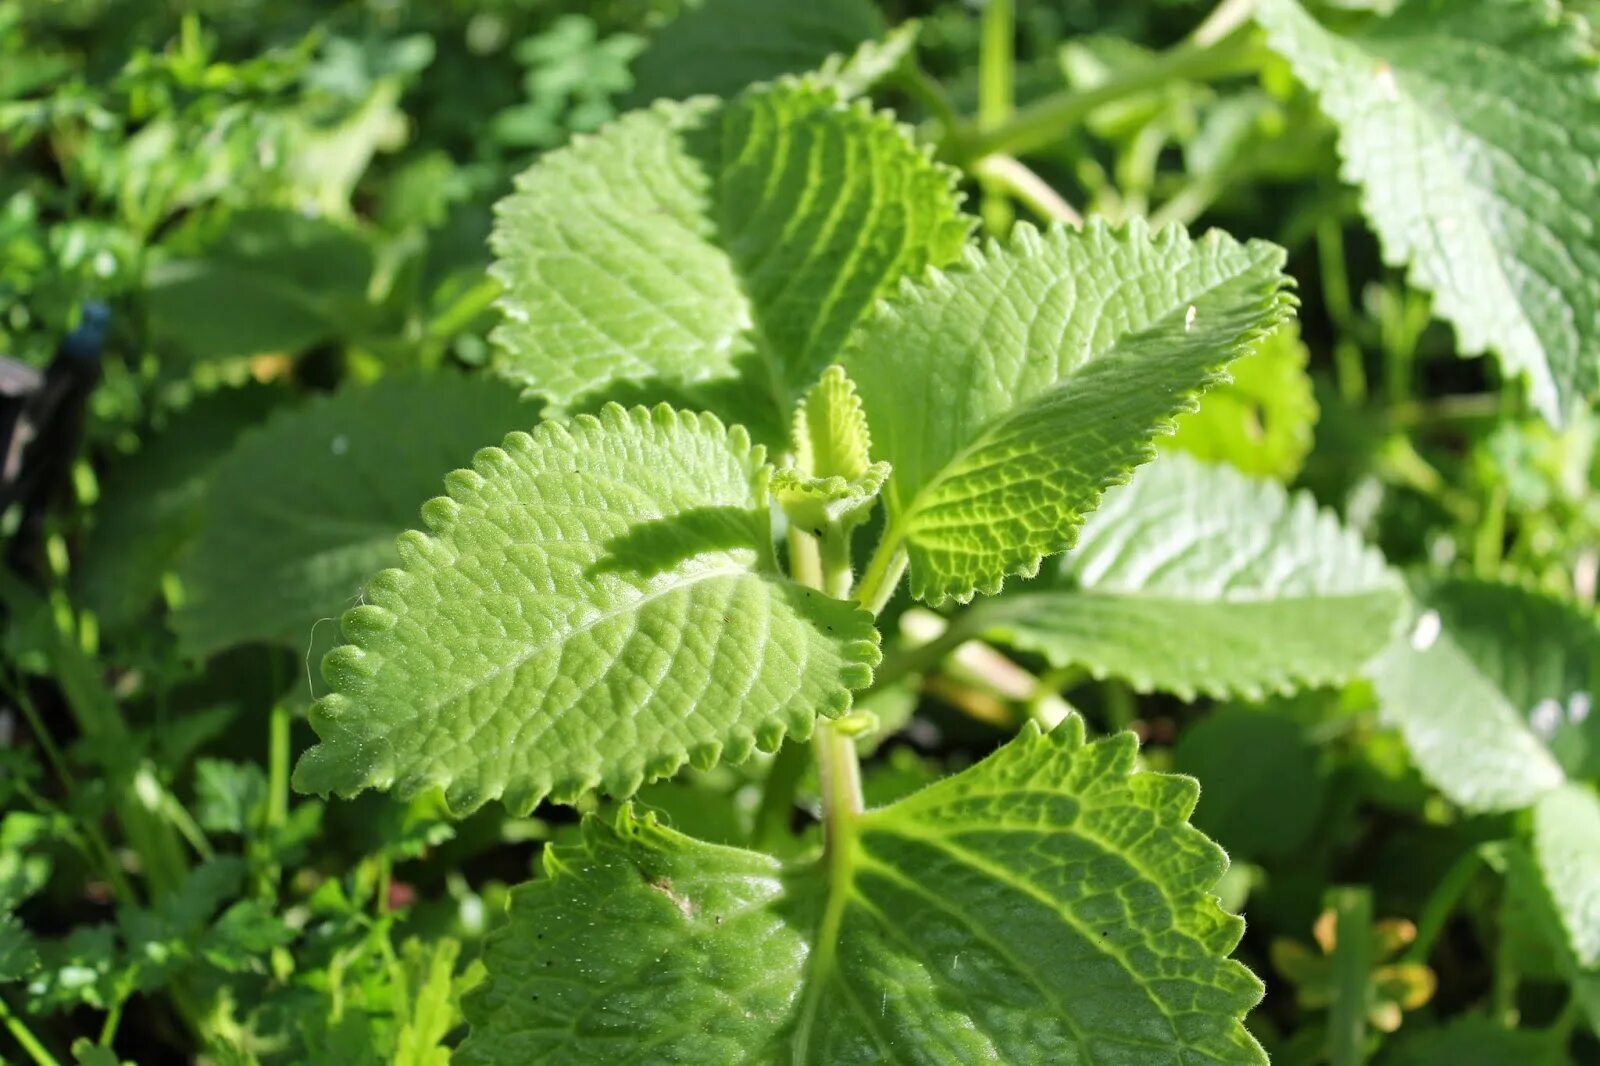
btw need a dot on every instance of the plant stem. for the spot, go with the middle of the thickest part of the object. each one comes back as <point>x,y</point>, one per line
<point>996,100</point>
<point>278,725</point>
<point>840,773</point>
<point>24,1036</point>
<point>777,796</point>
<point>1352,967</point>
<point>1441,903</point>
<point>1043,123</point>
<point>882,577</point>
<point>1009,174</point>
<point>837,573</point>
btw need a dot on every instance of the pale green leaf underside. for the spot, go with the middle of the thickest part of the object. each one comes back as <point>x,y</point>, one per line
<point>714,254</point>
<point>1492,687</point>
<point>595,605</point>
<point>1473,129</point>
<point>1009,392</point>
<point>1048,905</point>
<point>720,46</point>
<point>305,508</point>
<point>1194,578</point>
<point>1566,844</point>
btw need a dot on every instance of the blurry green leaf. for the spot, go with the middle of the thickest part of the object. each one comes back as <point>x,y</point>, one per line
<point>306,508</point>
<point>1476,1041</point>
<point>1492,688</point>
<point>1260,787</point>
<point>1261,421</point>
<point>269,281</point>
<point>1566,845</point>
<point>149,503</point>
<point>1047,905</point>
<point>229,796</point>
<point>721,46</point>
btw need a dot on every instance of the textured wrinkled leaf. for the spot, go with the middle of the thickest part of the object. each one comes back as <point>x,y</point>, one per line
<point>1492,688</point>
<point>149,505</point>
<point>1566,845</point>
<point>1048,905</point>
<point>596,604</point>
<point>1473,130</point>
<point>714,254</point>
<point>719,47</point>
<point>1011,391</point>
<point>1194,578</point>
<point>1261,421</point>
<point>306,507</point>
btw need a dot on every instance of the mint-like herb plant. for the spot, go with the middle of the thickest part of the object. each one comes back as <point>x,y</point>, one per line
<point>786,385</point>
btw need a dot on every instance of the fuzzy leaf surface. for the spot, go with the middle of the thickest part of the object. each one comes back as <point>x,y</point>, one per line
<point>714,254</point>
<point>595,605</point>
<point>1047,905</point>
<point>1011,391</point>
<point>306,507</point>
<point>1492,689</point>
<point>1196,579</point>
<point>1473,130</point>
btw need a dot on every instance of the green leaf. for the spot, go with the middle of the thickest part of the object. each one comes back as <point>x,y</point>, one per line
<point>149,505</point>
<point>1492,689</point>
<point>1473,130</point>
<point>1566,845</point>
<point>714,254</point>
<point>1010,392</point>
<point>1261,421</point>
<point>597,603</point>
<point>306,507</point>
<point>1048,905</point>
<point>18,957</point>
<point>269,281</point>
<point>1260,787</point>
<point>1194,578</point>
<point>719,47</point>
<point>833,480</point>
<point>228,795</point>
<point>1474,1041</point>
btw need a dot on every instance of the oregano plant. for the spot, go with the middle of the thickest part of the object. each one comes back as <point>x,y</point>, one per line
<point>851,398</point>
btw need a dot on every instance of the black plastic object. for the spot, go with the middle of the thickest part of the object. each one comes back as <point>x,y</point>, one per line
<point>41,419</point>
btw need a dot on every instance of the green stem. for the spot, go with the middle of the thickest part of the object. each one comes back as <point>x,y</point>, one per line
<point>1004,173</point>
<point>278,725</point>
<point>884,571</point>
<point>1045,122</point>
<point>1488,547</point>
<point>996,100</point>
<point>777,796</point>
<point>834,555</point>
<point>1441,903</point>
<point>24,1036</point>
<point>934,637</point>
<point>915,83</point>
<point>1352,968</point>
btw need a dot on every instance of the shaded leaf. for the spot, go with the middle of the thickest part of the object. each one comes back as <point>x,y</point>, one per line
<point>1048,905</point>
